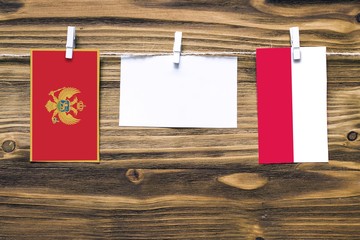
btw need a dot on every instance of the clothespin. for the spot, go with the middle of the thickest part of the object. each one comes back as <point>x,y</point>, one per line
<point>177,47</point>
<point>295,42</point>
<point>70,42</point>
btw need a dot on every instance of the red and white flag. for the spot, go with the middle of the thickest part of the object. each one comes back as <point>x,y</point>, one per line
<point>64,106</point>
<point>292,110</point>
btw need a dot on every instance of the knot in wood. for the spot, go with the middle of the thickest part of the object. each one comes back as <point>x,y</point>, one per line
<point>135,176</point>
<point>259,238</point>
<point>358,18</point>
<point>352,136</point>
<point>8,146</point>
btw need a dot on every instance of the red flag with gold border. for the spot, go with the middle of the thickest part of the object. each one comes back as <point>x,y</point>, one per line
<point>64,106</point>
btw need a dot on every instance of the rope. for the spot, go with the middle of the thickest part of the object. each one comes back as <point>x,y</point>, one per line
<point>122,54</point>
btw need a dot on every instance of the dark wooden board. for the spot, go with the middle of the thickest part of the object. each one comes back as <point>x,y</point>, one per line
<point>166,183</point>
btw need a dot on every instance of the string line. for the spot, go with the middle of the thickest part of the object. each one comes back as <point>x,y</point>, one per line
<point>129,54</point>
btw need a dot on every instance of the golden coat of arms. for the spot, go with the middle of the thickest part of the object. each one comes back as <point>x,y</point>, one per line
<point>65,106</point>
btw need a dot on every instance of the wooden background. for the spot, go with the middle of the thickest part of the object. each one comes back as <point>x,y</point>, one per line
<point>179,183</point>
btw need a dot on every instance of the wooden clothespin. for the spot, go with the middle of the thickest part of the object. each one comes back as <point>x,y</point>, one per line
<point>177,47</point>
<point>70,42</point>
<point>295,42</point>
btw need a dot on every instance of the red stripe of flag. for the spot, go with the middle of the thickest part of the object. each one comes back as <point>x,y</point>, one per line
<point>273,74</point>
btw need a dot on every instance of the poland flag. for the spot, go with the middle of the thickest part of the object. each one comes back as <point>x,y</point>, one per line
<point>292,112</point>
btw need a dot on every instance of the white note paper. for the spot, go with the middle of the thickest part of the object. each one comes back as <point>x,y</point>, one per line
<point>200,92</point>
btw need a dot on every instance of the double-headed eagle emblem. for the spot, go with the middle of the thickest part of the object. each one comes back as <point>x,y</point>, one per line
<point>65,106</point>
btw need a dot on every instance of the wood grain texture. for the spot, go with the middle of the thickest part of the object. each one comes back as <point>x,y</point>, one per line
<point>166,183</point>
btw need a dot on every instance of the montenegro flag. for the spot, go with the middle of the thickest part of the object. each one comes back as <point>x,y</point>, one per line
<point>64,106</point>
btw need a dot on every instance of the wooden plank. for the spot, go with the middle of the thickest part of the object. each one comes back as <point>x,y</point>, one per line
<point>179,183</point>
<point>187,147</point>
<point>181,203</point>
<point>149,25</point>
